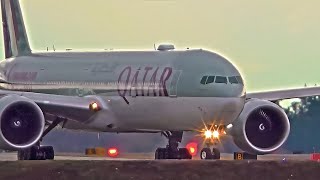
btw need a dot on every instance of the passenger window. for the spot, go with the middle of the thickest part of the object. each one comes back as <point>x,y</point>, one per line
<point>221,79</point>
<point>204,79</point>
<point>210,80</point>
<point>239,79</point>
<point>233,80</point>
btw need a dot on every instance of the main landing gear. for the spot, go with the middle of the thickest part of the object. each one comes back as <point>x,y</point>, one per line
<point>171,151</point>
<point>37,152</point>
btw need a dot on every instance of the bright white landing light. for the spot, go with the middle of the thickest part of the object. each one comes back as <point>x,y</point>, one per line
<point>215,134</point>
<point>229,126</point>
<point>94,107</point>
<point>208,134</point>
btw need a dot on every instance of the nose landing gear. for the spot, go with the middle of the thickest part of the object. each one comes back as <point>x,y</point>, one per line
<point>212,139</point>
<point>206,153</point>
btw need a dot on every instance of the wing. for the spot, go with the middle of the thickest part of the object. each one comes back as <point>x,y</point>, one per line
<point>72,108</point>
<point>285,94</point>
<point>69,107</point>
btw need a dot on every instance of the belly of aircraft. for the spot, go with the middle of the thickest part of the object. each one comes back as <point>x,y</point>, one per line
<point>174,113</point>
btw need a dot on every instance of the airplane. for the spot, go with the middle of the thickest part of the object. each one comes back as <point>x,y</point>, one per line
<point>165,91</point>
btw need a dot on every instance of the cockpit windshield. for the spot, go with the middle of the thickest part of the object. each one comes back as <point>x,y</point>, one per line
<point>233,80</point>
<point>221,79</point>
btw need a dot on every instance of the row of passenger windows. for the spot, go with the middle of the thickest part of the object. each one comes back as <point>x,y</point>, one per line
<point>221,79</point>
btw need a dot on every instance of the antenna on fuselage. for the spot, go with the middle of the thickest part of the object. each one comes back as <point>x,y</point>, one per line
<point>154,46</point>
<point>54,48</point>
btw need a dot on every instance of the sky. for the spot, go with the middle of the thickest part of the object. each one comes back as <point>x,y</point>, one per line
<point>274,43</point>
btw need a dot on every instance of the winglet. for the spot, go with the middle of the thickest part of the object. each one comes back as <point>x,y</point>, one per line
<point>14,32</point>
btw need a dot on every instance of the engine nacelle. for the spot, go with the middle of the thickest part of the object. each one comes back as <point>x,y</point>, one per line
<point>261,128</point>
<point>21,122</point>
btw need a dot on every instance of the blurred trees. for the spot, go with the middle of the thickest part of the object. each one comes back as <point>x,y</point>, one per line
<point>304,118</point>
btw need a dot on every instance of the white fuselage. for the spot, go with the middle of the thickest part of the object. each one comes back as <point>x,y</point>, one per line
<point>165,90</point>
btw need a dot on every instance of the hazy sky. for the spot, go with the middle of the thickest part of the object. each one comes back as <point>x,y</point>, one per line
<point>275,43</point>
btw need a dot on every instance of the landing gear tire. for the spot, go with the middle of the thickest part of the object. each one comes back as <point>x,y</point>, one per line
<point>49,152</point>
<point>36,153</point>
<point>22,155</point>
<point>206,153</point>
<point>215,153</point>
<point>171,151</point>
<point>160,153</point>
<point>166,153</point>
<point>184,153</point>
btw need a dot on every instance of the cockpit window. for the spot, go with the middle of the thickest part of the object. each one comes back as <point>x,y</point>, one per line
<point>239,79</point>
<point>210,80</point>
<point>204,79</point>
<point>221,79</point>
<point>233,80</point>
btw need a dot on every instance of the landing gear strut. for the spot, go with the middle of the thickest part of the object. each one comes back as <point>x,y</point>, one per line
<point>212,140</point>
<point>38,152</point>
<point>171,151</point>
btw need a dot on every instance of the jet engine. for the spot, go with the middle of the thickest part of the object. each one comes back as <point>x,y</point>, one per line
<point>261,128</point>
<point>21,122</point>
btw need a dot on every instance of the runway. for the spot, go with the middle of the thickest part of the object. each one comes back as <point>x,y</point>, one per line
<point>72,157</point>
<point>142,166</point>
<point>82,167</point>
<point>150,156</point>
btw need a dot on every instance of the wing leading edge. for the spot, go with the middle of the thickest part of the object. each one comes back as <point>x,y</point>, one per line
<point>285,94</point>
<point>69,107</point>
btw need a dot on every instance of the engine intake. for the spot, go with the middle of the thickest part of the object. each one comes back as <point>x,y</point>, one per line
<point>21,122</point>
<point>261,128</point>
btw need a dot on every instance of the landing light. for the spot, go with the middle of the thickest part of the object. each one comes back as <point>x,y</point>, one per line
<point>215,134</point>
<point>229,126</point>
<point>94,107</point>
<point>208,134</point>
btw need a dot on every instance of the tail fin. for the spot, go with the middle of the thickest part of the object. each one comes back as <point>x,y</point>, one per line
<point>14,33</point>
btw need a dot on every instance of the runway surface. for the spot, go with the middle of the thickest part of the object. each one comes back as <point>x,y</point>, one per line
<point>150,156</point>
<point>142,166</point>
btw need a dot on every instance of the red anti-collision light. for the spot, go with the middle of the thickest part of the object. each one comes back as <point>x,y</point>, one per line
<point>192,148</point>
<point>113,152</point>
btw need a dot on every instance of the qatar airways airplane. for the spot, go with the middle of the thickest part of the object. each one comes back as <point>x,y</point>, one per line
<point>160,91</point>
